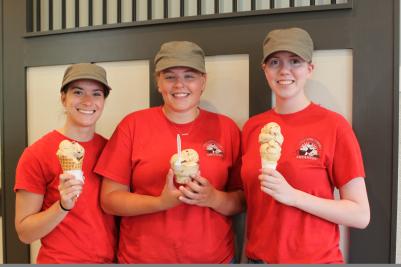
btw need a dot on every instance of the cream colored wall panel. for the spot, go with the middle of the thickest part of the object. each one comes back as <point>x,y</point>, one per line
<point>332,91</point>
<point>262,4</point>
<point>282,3</point>
<point>174,8</point>
<point>112,11</point>
<point>83,13</point>
<point>126,10</point>
<point>190,8</point>
<point>44,20</point>
<point>207,7</point>
<point>97,12</point>
<point>157,9</point>
<point>227,89</point>
<point>141,10</point>
<point>56,14</point>
<point>70,14</point>
<point>226,6</point>
<point>130,92</point>
<point>244,5</point>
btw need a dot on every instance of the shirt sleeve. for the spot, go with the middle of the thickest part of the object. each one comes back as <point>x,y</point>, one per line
<point>29,174</point>
<point>347,160</point>
<point>235,181</point>
<point>115,162</point>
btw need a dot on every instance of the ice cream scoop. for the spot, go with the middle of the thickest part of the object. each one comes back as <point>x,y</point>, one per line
<point>271,131</point>
<point>71,156</point>
<point>189,165</point>
<point>271,140</point>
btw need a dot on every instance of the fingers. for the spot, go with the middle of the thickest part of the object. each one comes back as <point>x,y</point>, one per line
<point>170,178</point>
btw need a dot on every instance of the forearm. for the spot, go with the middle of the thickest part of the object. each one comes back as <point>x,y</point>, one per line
<point>123,203</point>
<point>343,211</point>
<point>228,203</point>
<point>38,225</point>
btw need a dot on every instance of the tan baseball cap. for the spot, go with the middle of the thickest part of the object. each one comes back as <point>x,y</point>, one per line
<point>180,54</point>
<point>85,71</point>
<point>294,40</point>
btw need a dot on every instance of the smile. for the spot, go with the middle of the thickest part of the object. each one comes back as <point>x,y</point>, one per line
<point>180,94</point>
<point>285,82</point>
<point>89,112</point>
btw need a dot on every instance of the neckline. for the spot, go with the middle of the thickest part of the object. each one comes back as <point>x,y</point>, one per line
<point>72,139</point>
<point>183,129</point>
<point>296,113</point>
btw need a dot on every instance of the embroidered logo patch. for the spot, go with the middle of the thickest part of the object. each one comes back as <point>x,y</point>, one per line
<point>213,149</point>
<point>309,148</point>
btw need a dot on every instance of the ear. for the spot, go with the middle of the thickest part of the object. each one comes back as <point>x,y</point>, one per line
<point>204,76</point>
<point>311,67</point>
<point>63,97</point>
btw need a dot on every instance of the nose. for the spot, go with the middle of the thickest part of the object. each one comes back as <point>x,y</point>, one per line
<point>87,99</point>
<point>178,83</point>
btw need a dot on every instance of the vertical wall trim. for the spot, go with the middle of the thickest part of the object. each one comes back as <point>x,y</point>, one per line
<point>38,9</point>
<point>119,7</point>
<point>182,8</point>
<point>133,10</point>
<point>396,153</point>
<point>216,6</point>
<point>29,16</point>
<point>104,11</point>
<point>199,7</point>
<point>50,15</point>
<point>63,14</point>
<point>76,13</point>
<point>90,12</point>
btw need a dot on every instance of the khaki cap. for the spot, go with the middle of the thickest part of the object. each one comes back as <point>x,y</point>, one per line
<point>85,71</point>
<point>294,40</point>
<point>180,54</point>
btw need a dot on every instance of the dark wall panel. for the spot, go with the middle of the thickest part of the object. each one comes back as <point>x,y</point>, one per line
<point>368,29</point>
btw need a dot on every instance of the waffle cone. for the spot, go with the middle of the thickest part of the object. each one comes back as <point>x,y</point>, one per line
<point>68,164</point>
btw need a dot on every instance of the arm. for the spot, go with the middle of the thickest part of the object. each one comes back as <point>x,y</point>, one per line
<point>31,223</point>
<point>351,210</point>
<point>200,192</point>
<point>117,199</point>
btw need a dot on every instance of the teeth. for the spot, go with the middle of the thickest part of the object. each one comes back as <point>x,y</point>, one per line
<point>86,111</point>
<point>285,82</point>
<point>180,94</point>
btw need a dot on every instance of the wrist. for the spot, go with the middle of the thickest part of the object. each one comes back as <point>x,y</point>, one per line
<point>63,208</point>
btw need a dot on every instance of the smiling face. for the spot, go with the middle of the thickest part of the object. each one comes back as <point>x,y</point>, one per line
<point>181,88</point>
<point>83,101</point>
<point>287,74</point>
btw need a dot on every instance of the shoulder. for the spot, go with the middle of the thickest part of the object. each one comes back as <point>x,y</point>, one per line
<point>142,114</point>
<point>224,120</point>
<point>256,120</point>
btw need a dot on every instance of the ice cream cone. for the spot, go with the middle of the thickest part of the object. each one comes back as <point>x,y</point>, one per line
<point>71,155</point>
<point>270,139</point>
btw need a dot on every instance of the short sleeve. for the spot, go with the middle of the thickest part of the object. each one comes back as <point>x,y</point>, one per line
<point>29,174</point>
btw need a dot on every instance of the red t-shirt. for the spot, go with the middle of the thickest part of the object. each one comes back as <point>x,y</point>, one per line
<point>138,155</point>
<point>87,234</point>
<point>320,152</point>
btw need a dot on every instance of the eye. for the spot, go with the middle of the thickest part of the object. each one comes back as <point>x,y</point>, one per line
<point>273,63</point>
<point>296,62</point>
<point>77,91</point>
<point>169,77</point>
<point>98,93</point>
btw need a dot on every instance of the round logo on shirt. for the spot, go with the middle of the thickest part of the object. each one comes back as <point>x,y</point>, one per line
<point>213,149</point>
<point>309,148</point>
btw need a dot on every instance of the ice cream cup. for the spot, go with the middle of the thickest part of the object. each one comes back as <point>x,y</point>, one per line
<point>184,172</point>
